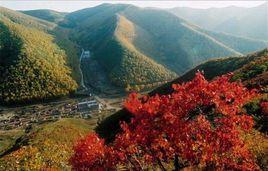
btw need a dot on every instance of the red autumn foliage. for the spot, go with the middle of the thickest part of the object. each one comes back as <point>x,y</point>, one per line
<point>199,124</point>
<point>264,108</point>
<point>89,153</point>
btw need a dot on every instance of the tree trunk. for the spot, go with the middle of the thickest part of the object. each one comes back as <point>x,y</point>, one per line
<point>161,165</point>
<point>176,163</point>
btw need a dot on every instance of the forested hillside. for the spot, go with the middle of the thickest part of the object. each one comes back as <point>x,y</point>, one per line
<point>136,48</point>
<point>26,20</point>
<point>33,66</point>
<point>122,37</point>
<point>124,64</point>
<point>251,69</point>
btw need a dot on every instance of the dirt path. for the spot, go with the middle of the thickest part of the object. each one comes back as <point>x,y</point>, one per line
<point>81,73</point>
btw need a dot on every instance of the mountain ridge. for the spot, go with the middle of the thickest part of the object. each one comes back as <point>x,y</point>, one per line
<point>247,22</point>
<point>146,33</point>
<point>220,66</point>
<point>134,47</point>
<point>46,14</point>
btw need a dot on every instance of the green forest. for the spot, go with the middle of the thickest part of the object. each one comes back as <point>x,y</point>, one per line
<point>33,67</point>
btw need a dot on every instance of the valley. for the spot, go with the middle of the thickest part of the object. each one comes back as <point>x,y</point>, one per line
<point>17,121</point>
<point>134,88</point>
<point>95,83</point>
<point>129,50</point>
<point>94,76</point>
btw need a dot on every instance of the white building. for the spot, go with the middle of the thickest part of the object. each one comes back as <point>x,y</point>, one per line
<point>89,105</point>
<point>86,54</point>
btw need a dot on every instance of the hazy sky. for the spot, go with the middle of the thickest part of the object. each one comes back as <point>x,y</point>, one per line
<point>68,6</point>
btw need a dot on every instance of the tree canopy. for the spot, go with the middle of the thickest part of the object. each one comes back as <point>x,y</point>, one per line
<point>200,124</point>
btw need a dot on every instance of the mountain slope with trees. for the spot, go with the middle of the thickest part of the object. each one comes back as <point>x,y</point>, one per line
<point>33,66</point>
<point>252,69</point>
<point>143,46</point>
<point>137,48</point>
<point>121,36</point>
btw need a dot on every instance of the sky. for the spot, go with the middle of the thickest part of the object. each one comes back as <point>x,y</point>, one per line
<point>69,6</point>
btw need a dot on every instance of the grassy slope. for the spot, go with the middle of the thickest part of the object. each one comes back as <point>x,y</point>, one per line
<point>8,138</point>
<point>255,73</point>
<point>47,146</point>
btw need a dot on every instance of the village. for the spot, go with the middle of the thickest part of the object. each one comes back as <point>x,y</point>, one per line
<point>88,106</point>
<point>36,114</point>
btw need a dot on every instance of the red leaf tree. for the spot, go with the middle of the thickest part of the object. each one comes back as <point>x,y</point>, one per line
<point>89,154</point>
<point>199,124</point>
<point>264,109</point>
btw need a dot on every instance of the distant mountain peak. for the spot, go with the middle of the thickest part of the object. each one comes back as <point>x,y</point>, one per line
<point>239,21</point>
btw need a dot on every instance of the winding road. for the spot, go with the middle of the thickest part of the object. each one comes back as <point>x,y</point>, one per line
<point>81,72</point>
<point>86,55</point>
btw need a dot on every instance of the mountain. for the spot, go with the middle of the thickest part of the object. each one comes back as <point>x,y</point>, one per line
<point>130,47</point>
<point>46,14</point>
<point>140,46</point>
<point>252,69</point>
<point>33,66</point>
<point>246,22</point>
<point>110,44</point>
